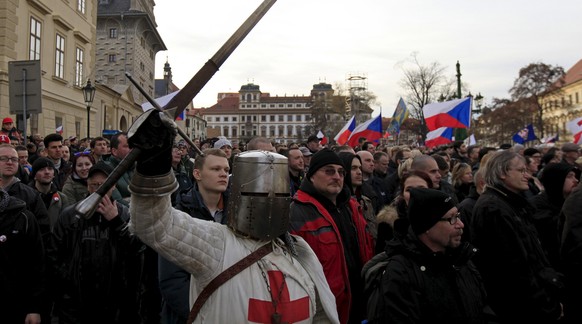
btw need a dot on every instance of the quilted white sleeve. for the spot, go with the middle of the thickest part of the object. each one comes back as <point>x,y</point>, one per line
<point>193,244</point>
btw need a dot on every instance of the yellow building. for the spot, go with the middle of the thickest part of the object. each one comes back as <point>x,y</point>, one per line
<point>62,35</point>
<point>564,105</point>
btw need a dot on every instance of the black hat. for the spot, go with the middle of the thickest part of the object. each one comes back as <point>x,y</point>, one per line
<point>426,207</point>
<point>40,163</point>
<point>322,158</point>
<point>100,167</point>
<point>313,138</point>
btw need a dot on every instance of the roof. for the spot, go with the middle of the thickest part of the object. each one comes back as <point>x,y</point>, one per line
<point>574,74</point>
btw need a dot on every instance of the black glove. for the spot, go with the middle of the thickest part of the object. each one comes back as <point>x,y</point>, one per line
<point>155,139</point>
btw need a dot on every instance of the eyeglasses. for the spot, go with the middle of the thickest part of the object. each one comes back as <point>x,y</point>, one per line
<point>522,170</point>
<point>331,172</point>
<point>452,220</point>
<point>7,158</point>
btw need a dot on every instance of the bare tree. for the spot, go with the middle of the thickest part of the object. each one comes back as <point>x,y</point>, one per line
<point>534,81</point>
<point>423,84</point>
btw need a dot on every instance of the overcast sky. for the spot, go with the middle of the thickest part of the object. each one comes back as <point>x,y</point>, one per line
<point>303,42</point>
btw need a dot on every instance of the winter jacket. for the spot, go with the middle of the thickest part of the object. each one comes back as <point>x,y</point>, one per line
<point>520,282</point>
<point>545,220</point>
<point>96,266</point>
<point>34,204</point>
<point>175,281</point>
<point>311,220</point>
<point>571,255</point>
<point>62,173</point>
<point>123,182</point>
<point>421,286</point>
<point>75,188</point>
<point>21,263</point>
<point>205,249</point>
<point>466,207</point>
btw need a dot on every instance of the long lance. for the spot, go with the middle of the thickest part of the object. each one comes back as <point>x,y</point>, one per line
<point>180,101</point>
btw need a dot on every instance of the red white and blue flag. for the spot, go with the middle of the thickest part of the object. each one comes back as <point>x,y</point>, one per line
<point>455,113</point>
<point>59,130</point>
<point>370,130</point>
<point>344,134</point>
<point>322,138</point>
<point>575,127</point>
<point>440,136</point>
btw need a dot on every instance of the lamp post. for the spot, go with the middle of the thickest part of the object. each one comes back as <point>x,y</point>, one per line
<point>89,95</point>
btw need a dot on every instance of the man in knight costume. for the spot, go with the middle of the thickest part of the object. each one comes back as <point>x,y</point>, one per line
<point>285,285</point>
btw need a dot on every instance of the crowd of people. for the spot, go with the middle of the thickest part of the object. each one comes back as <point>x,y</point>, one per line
<point>463,234</point>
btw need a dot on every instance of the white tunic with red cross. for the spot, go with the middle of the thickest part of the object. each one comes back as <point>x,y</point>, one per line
<point>292,288</point>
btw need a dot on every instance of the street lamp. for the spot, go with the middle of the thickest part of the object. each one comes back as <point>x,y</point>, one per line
<point>89,95</point>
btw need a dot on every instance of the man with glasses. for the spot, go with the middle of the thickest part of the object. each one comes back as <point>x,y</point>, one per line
<point>15,188</point>
<point>331,221</point>
<point>521,285</point>
<point>430,276</point>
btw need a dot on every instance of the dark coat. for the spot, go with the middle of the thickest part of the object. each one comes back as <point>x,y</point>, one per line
<point>96,265</point>
<point>175,281</point>
<point>466,207</point>
<point>421,286</point>
<point>34,204</point>
<point>571,255</point>
<point>521,284</point>
<point>21,263</point>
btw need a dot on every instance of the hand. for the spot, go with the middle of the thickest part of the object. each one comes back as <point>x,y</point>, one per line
<point>32,318</point>
<point>154,137</point>
<point>108,208</point>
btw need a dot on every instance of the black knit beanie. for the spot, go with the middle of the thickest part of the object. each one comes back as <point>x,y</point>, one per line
<point>426,207</point>
<point>40,163</point>
<point>322,158</point>
<point>553,179</point>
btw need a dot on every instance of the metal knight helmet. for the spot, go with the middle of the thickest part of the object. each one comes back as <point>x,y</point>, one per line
<point>259,200</point>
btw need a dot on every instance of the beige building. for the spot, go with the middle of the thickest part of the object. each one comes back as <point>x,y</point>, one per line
<point>564,105</point>
<point>62,36</point>
<point>283,119</point>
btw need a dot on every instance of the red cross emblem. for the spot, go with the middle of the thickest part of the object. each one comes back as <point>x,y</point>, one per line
<point>291,311</point>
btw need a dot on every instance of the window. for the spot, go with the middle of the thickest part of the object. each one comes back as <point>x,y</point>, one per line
<point>112,58</point>
<point>216,119</point>
<point>272,118</point>
<point>289,118</point>
<point>233,119</point>
<point>577,99</point>
<point>35,28</point>
<point>281,117</point>
<point>79,66</point>
<point>112,32</point>
<point>281,105</point>
<point>208,119</point>
<point>60,57</point>
<point>289,105</point>
<point>226,119</point>
<point>141,66</point>
<point>142,41</point>
<point>81,6</point>
<point>298,118</point>
<point>242,118</point>
<point>263,118</point>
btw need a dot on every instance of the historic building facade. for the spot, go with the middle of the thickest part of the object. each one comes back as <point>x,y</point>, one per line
<point>564,105</point>
<point>73,41</point>
<point>283,119</point>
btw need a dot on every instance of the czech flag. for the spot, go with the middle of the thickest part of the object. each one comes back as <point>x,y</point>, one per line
<point>322,138</point>
<point>59,130</point>
<point>440,136</point>
<point>575,127</point>
<point>371,130</point>
<point>344,134</point>
<point>455,113</point>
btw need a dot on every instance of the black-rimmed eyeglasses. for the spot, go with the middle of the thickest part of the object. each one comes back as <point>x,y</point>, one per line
<point>452,220</point>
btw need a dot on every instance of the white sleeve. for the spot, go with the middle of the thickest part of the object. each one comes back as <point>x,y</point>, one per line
<point>195,245</point>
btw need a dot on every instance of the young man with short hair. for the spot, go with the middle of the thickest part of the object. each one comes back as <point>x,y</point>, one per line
<point>54,146</point>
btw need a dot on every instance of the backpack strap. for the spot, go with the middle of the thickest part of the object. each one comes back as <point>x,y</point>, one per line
<point>225,276</point>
